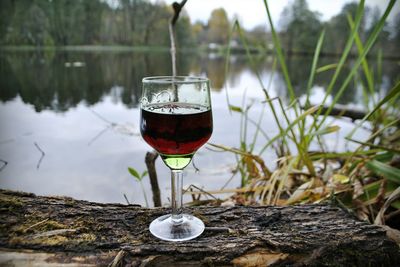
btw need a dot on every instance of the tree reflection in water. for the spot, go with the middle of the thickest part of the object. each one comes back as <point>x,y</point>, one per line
<point>59,80</point>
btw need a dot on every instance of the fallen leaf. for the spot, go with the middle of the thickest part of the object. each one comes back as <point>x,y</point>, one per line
<point>340,178</point>
<point>262,257</point>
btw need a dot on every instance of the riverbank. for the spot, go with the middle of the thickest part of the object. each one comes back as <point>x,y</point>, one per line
<point>219,50</point>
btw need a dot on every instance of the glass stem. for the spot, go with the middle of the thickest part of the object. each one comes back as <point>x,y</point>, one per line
<point>176,195</point>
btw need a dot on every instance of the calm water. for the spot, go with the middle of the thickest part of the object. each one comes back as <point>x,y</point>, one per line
<point>80,109</point>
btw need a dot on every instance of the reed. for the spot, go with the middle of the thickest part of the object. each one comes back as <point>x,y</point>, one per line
<point>363,180</point>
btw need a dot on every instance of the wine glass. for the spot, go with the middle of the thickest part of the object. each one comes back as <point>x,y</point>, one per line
<point>176,120</point>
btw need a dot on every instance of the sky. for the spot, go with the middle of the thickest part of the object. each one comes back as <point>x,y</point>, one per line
<point>252,12</point>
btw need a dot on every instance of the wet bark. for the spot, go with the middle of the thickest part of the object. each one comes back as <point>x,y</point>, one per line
<point>53,230</point>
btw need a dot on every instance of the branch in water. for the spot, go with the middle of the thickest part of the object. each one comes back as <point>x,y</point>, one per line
<point>41,157</point>
<point>4,164</point>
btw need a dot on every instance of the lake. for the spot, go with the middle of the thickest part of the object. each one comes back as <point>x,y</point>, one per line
<point>69,119</point>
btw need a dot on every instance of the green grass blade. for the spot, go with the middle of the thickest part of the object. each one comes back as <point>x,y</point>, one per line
<point>258,129</point>
<point>227,60</point>
<point>340,155</point>
<point>391,95</point>
<point>314,66</point>
<point>327,67</point>
<point>366,144</point>
<point>248,54</point>
<point>368,46</point>
<point>367,72</point>
<point>290,127</point>
<point>303,153</point>
<point>379,66</point>
<point>389,172</point>
<point>305,141</point>
<point>345,53</point>
<point>327,130</point>
<point>279,52</point>
<point>251,60</point>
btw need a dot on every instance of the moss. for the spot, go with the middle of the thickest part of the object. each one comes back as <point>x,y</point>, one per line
<point>128,239</point>
<point>52,241</point>
<point>84,223</point>
<point>56,240</point>
<point>10,203</point>
<point>69,201</point>
<point>41,227</point>
<point>51,225</point>
<point>44,241</point>
<point>86,238</point>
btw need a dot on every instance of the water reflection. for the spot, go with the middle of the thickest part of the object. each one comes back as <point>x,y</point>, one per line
<point>57,81</point>
<point>80,108</point>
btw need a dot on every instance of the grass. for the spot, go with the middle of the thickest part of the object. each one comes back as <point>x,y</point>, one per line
<point>363,180</point>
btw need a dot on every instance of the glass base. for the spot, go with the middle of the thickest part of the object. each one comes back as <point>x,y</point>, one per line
<point>165,228</point>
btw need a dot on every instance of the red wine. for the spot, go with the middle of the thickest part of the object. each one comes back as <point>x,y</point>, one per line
<point>176,128</point>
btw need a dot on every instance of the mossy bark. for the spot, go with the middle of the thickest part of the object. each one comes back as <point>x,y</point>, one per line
<point>51,230</point>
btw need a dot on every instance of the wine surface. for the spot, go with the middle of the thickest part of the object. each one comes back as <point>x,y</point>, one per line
<point>176,130</point>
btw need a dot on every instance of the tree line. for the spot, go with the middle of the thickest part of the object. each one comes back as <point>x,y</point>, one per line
<point>144,23</point>
<point>88,22</point>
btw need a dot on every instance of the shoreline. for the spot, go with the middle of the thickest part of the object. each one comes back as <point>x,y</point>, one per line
<point>221,50</point>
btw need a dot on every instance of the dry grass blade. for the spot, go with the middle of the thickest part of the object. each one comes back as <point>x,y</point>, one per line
<point>380,219</point>
<point>256,158</point>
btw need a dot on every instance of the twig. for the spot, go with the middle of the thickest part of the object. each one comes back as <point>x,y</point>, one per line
<point>111,125</point>
<point>150,160</point>
<point>177,10</point>
<point>98,135</point>
<point>196,170</point>
<point>52,233</point>
<point>4,164</point>
<point>230,179</point>
<point>118,259</point>
<point>36,224</point>
<point>173,49</point>
<point>41,157</point>
<point>102,118</point>
<point>201,190</point>
<point>193,195</point>
<point>144,193</point>
<point>392,214</point>
<point>127,201</point>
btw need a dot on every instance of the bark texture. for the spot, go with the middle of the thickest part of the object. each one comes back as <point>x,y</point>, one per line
<point>53,230</point>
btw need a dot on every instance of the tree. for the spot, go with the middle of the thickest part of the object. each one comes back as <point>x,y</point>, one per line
<point>301,27</point>
<point>396,29</point>
<point>382,42</point>
<point>338,29</point>
<point>199,32</point>
<point>259,37</point>
<point>218,27</point>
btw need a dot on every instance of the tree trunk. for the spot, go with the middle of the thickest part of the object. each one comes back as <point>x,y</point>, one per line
<point>55,230</point>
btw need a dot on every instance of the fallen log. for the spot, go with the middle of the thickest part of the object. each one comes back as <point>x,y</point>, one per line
<point>342,111</point>
<point>55,230</point>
